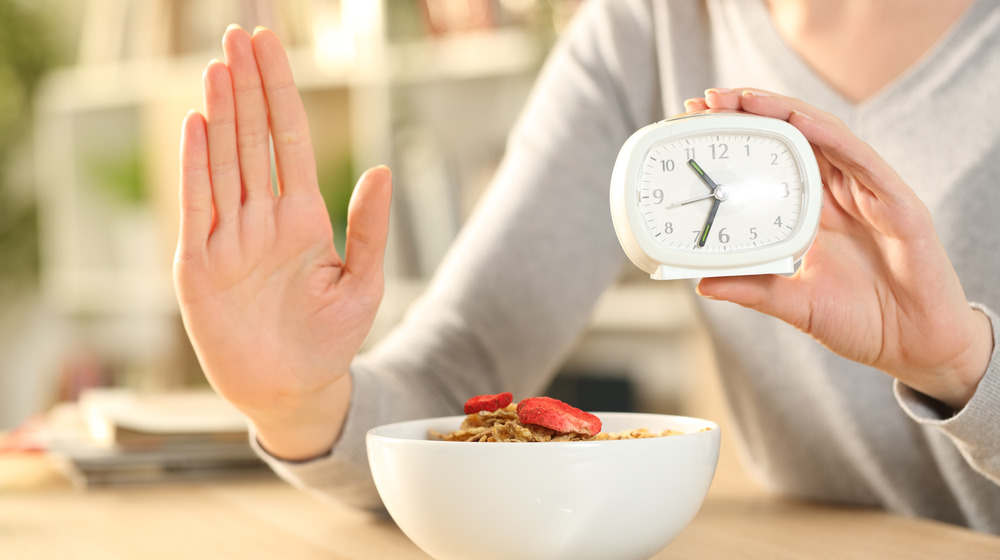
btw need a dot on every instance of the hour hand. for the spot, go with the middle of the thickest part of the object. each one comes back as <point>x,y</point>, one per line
<point>702,175</point>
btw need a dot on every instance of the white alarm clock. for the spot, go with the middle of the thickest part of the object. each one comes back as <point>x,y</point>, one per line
<point>716,194</point>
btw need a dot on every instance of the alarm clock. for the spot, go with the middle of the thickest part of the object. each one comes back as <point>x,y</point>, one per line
<point>716,194</point>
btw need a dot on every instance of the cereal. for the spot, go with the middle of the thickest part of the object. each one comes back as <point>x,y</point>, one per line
<point>503,425</point>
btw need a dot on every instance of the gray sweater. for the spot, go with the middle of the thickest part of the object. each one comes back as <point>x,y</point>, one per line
<point>518,286</point>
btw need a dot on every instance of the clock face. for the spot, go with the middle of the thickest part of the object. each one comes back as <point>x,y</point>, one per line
<point>720,192</point>
<point>716,194</point>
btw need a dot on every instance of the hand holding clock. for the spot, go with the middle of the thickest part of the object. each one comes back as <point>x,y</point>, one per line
<point>877,286</point>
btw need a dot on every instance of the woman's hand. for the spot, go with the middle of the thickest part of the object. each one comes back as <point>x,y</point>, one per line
<point>877,286</point>
<point>274,314</point>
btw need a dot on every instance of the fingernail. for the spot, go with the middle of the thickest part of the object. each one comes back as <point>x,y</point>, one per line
<point>799,113</point>
<point>233,26</point>
<point>718,90</point>
<point>751,93</point>
<point>258,28</point>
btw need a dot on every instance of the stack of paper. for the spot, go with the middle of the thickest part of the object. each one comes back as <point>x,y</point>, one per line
<point>116,436</point>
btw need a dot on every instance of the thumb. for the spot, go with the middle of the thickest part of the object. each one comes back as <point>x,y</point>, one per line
<point>778,296</point>
<point>368,223</point>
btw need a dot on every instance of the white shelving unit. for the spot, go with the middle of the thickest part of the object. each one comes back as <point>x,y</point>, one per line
<point>417,104</point>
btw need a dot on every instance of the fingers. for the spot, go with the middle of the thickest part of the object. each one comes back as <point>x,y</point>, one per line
<point>253,138</point>
<point>695,104</point>
<point>722,98</point>
<point>768,104</point>
<point>289,125</point>
<point>850,154</point>
<point>223,157</point>
<point>195,187</point>
<point>248,100</point>
<point>368,224</point>
<point>829,134</point>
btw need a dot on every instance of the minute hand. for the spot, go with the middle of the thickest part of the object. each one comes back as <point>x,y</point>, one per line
<point>715,204</point>
<point>709,222</point>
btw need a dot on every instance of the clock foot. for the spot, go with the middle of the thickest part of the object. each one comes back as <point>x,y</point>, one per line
<point>781,266</point>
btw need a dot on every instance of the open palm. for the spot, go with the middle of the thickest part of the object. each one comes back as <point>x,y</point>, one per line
<point>274,314</point>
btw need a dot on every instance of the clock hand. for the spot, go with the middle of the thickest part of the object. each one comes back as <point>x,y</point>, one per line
<point>709,222</point>
<point>716,192</point>
<point>702,175</point>
<point>720,194</point>
<point>690,200</point>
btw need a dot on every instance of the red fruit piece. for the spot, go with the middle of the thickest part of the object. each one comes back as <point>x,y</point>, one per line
<point>557,415</point>
<point>488,403</point>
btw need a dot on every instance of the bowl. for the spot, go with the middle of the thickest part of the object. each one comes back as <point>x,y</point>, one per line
<point>621,499</point>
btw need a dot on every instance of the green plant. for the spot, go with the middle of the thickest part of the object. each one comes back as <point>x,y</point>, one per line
<point>336,183</point>
<point>26,52</point>
<point>122,176</point>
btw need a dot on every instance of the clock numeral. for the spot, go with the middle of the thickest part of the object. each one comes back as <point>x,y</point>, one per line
<point>719,151</point>
<point>747,148</point>
<point>777,221</point>
<point>689,153</point>
<point>668,228</point>
<point>786,192</point>
<point>667,164</point>
<point>723,236</point>
<point>658,195</point>
<point>753,233</point>
<point>774,158</point>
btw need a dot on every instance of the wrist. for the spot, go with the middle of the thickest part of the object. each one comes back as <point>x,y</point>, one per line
<point>310,430</point>
<point>955,384</point>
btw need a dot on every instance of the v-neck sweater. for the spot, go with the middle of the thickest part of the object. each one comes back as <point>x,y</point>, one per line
<point>517,288</point>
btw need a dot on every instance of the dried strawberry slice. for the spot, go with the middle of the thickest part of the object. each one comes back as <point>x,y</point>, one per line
<point>488,403</point>
<point>557,415</point>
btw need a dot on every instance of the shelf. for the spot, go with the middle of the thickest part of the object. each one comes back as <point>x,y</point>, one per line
<point>363,100</point>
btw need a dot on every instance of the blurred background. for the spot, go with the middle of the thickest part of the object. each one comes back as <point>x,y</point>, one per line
<point>92,94</point>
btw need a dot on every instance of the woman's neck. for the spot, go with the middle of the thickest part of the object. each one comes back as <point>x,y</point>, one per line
<point>860,46</point>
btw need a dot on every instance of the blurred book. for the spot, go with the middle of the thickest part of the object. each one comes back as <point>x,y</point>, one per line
<point>136,420</point>
<point>115,436</point>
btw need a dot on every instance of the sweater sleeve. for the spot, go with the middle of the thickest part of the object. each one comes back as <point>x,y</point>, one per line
<point>975,429</point>
<point>517,287</point>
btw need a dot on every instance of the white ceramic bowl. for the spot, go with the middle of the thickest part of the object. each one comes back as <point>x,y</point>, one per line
<point>603,500</point>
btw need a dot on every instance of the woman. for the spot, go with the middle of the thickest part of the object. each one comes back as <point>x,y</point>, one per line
<point>878,386</point>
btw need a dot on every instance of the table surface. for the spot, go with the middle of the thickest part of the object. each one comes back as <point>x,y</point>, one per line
<point>43,516</point>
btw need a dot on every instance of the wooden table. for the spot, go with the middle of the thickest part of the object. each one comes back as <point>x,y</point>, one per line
<point>42,516</point>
